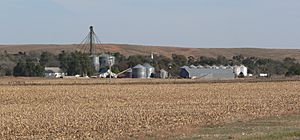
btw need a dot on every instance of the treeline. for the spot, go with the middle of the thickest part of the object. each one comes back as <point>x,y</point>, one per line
<point>73,63</point>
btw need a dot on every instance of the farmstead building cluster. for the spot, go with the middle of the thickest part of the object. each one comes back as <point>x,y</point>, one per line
<point>102,66</point>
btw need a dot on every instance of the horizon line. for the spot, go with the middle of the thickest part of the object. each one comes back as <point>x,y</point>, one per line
<point>146,45</point>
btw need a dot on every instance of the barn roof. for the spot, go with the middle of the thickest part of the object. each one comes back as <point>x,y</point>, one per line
<point>53,70</point>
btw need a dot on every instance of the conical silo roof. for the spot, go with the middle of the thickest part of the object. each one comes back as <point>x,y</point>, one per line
<point>139,66</point>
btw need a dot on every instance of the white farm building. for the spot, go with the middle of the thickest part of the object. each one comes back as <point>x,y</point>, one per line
<point>241,70</point>
<point>213,72</point>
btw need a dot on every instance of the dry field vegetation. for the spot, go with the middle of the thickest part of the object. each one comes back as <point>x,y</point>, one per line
<point>277,54</point>
<point>101,111</point>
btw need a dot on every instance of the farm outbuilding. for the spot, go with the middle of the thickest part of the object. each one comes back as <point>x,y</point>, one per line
<point>241,70</point>
<point>206,73</point>
<point>163,74</point>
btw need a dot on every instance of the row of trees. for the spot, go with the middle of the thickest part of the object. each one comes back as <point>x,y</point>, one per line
<point>73,63</point>
<point>23,64</point>
<point>28,67</point>
<point>20,65</point>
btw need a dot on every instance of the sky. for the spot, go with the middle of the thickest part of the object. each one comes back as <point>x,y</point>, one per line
<point>182,23</point>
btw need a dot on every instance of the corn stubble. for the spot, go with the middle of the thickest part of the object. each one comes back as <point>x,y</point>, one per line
<point>137,111</point>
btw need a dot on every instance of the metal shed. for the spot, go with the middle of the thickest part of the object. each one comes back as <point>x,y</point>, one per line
<point>207,73</point>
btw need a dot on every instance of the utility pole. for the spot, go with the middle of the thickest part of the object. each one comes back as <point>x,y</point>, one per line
<point>110,63</point>
<point>91,39</point>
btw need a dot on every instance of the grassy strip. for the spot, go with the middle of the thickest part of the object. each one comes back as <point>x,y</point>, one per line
<point>277,136</point>
<point>272,128</point>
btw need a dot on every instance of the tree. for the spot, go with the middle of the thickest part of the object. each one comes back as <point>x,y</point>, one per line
<point>63,58</point>
<point>289,60</point>
<point>238,58</point>
<point>203,60</point>
<point>86,65</point>
<point>20,69</point>
<point>76,63</point>
<point>221,60</point>
<point>138,59</point>
<point>191,60</point>
<point>294,70</point>
<point>48,59</point>
<point>119,57</point>
<point>179,60</point>
<point>28,68</point>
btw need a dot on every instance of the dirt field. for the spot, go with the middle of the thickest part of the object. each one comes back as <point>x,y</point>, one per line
<point>135,111</point>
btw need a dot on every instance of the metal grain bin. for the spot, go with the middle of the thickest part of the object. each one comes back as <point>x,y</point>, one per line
<point>139,71</point>
<point>96,62</point>
<point>149,70</point>
<point>106,60</point>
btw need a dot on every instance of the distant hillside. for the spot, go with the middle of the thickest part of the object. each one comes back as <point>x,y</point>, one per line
<point>167,51</point>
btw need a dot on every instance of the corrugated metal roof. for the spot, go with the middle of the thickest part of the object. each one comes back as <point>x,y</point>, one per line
<point>193,66</point>
<point>200,67</point>
<point>185,67</point>
<point>207,72</point>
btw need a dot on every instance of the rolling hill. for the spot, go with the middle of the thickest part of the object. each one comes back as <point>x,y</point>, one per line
<point>127,50</point>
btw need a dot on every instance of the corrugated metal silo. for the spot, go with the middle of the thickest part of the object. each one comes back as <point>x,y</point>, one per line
<point>139,71</point>
<point>106,60</point>
<point>149,70</point>
<point>96,62</point>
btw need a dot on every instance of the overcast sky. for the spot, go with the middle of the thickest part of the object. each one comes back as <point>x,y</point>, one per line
<point>183,23</point>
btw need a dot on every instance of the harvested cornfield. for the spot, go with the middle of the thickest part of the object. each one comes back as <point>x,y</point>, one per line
<point>137,111</point>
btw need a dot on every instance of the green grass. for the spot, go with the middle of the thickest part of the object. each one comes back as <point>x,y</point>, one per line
<point>272,128</point>
<point>277,136</point>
